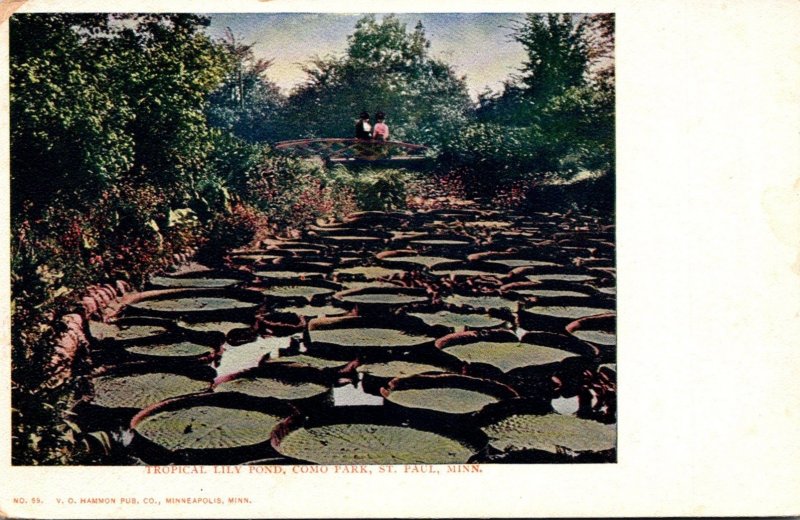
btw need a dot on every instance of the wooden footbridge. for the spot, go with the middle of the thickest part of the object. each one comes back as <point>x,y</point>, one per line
<point>334,150</point>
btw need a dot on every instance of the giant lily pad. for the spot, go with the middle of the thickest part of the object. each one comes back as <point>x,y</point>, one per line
<point>550,293</point>
<point>449,400</point>
<point>207,428</point>
<point>480,302</point>
<point>297,291</point>
<point>377,375</point>
<point>288,275</point>
<point>551,433</point>
<point>507,356</point>
<point>564,277</point>
<point>359,443</point>
<point>522,262</point>
<point>225,327</point>
<point>458,320</point>
<point>142,390</point>
<point>128,330</point>
<point>455,397</point>
<point>598,337</point>
<point>272,387</point>
<point>311,361</point>
<point>196,282</point>
<point>559,311</point>
<point>199,304</point>
<point>368,272</point>
<point>182,350</point>
<point>417,260</point>
<point>313,311</point>
<point>369,338</point>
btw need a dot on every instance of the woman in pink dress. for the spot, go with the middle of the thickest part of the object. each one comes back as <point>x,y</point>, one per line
<point>380,132</point>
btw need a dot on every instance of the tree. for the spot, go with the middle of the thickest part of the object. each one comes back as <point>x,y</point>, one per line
<point>69,112</point>
<point>247,103</point>
<point>386,68</point>
<point>564,91</point>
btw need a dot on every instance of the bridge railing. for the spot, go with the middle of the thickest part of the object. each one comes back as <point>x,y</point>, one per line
<point>338,149</point>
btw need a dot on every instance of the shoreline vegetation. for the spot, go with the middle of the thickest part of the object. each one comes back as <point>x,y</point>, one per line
<point>139,143</point>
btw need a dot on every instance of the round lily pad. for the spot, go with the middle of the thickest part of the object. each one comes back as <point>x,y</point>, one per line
<point>297,291</point>
<point>550,293</point>
<point>439,242</point>
<point>371,444</point>
<point>193,305</point>
<point>448,400</point>
<point>481,302</point>
<point>311,361</point>
<point>207,428</point>
<point>313,311</point>
<point>521,262</point>
<point>182,349</point>
<point>559,311</point>
<point>214,326</point>
<point>552,433</point>
<point>197,282</point>
<point>272,387</point>
<point>420,260</point>
<point>125,331</point>
<point>465,273</point>
<point>369,285</point>
<point>382,298</point>
<point>560,277</point>
<point>507,356</point>
<point>397,368</point>
<point>597,337</point>
<point>456,320</point>
<point>288,275</point>
<point>373,338</point>
<point>368,272</point>
<point>142,390</point>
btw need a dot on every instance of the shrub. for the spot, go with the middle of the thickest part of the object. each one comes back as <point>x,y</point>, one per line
<point>373,189</point>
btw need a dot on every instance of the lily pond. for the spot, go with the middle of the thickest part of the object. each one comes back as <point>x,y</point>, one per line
<point>435,336</point>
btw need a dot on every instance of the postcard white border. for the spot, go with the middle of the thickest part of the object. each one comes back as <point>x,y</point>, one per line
<point>709,295</point>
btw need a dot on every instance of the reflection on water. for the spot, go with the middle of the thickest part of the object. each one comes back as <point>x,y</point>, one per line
<point>565,406</point>
<point>248,355</point>
<point>354,395</point>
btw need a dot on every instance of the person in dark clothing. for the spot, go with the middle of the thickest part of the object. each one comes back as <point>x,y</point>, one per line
<point>363,128</point>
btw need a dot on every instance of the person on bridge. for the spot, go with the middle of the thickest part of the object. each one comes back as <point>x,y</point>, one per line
<point>381,131</point>
<point>363,128</point>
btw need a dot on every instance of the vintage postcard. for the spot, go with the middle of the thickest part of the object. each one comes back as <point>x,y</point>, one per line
<point>277,259</point>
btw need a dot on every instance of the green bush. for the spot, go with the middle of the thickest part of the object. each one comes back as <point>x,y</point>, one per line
<point>373,189</point>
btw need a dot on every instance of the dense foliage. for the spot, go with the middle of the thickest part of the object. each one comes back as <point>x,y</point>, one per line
<point>556,115</point>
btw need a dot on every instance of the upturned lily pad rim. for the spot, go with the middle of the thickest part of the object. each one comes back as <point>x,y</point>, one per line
<point>606,322</point>
<point>471,436</point>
